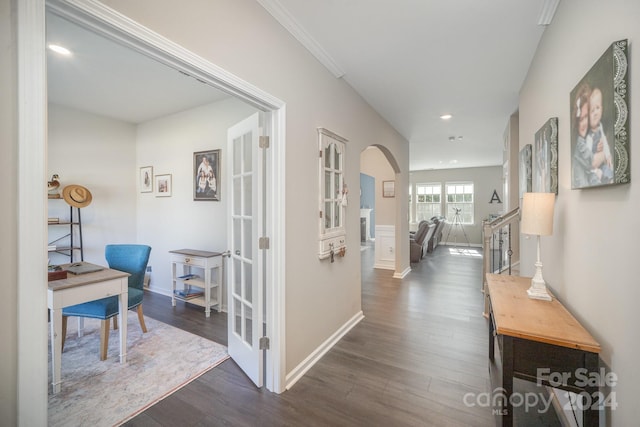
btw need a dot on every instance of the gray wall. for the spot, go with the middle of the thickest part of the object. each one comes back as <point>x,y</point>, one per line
<point>590,260</point>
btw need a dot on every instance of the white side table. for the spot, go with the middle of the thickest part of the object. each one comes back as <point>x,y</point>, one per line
<point>194,280</point>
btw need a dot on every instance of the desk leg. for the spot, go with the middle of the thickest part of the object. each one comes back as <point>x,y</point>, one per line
<point>591,415</point>
<point>56,348</point>
<point>492,341</point>
<point>507,379</point>
<point>207,292</point>
<point>123,306</point>
<point>219,290</point>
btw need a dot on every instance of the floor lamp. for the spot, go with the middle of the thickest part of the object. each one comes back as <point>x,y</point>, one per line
<point>537,220</point>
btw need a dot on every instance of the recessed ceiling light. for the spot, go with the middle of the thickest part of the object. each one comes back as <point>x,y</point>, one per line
<point>446,116</point>
<point>453,162</point>
<point>452,138</point>
<point>59,49</point>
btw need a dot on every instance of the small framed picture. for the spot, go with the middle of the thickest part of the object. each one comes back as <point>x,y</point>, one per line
<point>163,185</point>
<point>206,175</point>
<point>146,179</point>
<point>388,189</point>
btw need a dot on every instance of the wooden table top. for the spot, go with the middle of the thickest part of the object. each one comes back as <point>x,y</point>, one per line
<point>195,252</point>
<point>517,315</point>
<point>74,280</point>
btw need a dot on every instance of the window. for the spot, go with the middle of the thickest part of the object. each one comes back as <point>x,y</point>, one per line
<point>460,202</point>
<point>428,201</point>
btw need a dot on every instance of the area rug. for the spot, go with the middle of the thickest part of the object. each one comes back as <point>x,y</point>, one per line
<point>106,393</point>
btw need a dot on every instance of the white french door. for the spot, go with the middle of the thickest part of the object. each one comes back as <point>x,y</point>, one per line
<point>246,266</point>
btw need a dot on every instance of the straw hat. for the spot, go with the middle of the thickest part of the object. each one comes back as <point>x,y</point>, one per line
<point>76,195</point>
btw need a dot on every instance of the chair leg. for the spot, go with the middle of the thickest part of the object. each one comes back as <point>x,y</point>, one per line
<point>115,322</point>
<point>64,331</point>
<point>104,338</point>
<point>141,319</point>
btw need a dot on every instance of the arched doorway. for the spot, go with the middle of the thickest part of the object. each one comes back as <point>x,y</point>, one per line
<point>381,196</point>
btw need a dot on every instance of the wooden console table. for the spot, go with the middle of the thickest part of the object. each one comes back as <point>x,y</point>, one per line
<point>535,334</point>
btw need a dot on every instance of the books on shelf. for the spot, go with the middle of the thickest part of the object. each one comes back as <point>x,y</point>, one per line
<point>188,276</point>
<point>189,292</point>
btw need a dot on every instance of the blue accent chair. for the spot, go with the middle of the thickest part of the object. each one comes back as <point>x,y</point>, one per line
<point>131,259</point>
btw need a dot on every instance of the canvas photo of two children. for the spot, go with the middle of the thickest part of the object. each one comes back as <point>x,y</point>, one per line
<point>599,122</point>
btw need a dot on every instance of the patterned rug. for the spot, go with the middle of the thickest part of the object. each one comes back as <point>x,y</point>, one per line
<point>106,393</point>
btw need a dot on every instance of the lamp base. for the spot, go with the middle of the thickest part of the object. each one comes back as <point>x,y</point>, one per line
<point>537,293</point>
<point>538,289</point>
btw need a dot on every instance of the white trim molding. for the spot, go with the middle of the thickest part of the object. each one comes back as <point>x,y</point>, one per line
<point>282,15</point>
<point>403,274</point>
<point>304,366</point>
<point>32,390</point>
<point>385,247</point>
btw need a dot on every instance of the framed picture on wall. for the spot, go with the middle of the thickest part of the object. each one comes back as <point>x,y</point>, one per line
<point>600,122</point>
<point>525,170</point>
<point>163,185</point>
<point>388,189</point>
<point>546,158</point>
<point>146,179</point>
<point>206,175</point>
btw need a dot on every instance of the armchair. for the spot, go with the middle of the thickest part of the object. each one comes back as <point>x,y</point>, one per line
<point>132,259</point>
<point>418,243</point>
<point>436,238</point>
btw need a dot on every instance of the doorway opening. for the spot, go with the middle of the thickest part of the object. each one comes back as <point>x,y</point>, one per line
<point>379,206</point>
<point>32,98</point>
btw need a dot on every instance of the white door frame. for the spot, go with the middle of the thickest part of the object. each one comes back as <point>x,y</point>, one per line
<point>32,151</point>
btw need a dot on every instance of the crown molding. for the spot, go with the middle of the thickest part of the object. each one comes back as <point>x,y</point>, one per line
<point>548,10</point>
<point>282,15</point>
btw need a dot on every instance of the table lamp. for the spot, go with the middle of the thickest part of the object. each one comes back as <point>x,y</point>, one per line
<point>537,220</point>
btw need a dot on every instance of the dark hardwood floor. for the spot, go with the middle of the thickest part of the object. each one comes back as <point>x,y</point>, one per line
<point>420,349</point>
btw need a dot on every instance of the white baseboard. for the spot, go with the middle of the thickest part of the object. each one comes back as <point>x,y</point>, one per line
<point>299,371</point>
<point>402,275</point>
<point>384,266</point>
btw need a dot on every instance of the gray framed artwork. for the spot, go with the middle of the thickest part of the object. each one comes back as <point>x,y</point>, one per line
<point>545,179</point>
<point>600,122</point>
<point>525,171</point>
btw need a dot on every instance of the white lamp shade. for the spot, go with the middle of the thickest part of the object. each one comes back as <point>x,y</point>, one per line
<point>537,214</point>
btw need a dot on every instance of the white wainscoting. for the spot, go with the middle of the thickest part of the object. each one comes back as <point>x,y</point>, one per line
<point>385,247</point>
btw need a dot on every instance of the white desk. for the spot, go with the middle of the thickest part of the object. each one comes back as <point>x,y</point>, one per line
<point>82,288</point>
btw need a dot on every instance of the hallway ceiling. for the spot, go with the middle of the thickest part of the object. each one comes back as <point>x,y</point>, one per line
<point>411,60</point>
<point>414,60</point>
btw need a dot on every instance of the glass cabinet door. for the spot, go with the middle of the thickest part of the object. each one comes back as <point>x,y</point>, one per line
<point>332,191</point>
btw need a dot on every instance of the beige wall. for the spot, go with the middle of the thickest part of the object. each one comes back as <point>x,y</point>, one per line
<point>485,179</point>
<point>241,37</point>
<point>374,163</point>
<point>590,260</point>
<point>8,219</point>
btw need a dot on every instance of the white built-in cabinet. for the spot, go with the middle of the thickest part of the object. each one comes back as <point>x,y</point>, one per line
<point>333,195</point>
